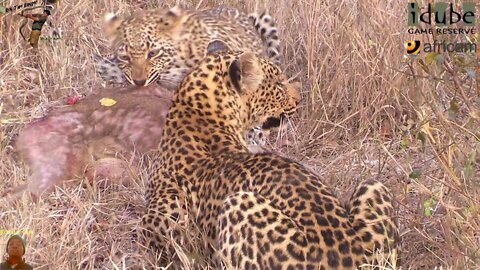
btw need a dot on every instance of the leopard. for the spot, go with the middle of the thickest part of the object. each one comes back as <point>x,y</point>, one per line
<point>162,45</point>
<point>256,210</point>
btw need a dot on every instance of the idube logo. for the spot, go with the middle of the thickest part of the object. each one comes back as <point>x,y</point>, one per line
<point>442,15</point>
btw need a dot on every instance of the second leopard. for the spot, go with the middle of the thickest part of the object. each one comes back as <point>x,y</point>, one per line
<point>162,45</point>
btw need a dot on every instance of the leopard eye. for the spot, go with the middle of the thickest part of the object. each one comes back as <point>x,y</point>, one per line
<point>153,53</point>
<point>125,58</point>
<point>280,85</point>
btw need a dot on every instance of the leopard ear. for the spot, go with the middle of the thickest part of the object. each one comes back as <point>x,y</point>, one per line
<point>246,72</point>
<point>112,23</point>
<point>216,46</point>
<point>167,19</point>
<point>164,19</point>
<point>235,72</point>
<point>175,12</point>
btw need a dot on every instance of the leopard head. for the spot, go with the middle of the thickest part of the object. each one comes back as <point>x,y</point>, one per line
<point>145,48</point>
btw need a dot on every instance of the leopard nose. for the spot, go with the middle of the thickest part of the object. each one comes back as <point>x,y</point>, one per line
<point>139,82</point>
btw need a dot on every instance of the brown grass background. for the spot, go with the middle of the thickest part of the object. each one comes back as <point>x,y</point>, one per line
<point>368,111</point>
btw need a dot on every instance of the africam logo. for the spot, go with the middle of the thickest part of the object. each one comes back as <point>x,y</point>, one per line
<point>414,47</point>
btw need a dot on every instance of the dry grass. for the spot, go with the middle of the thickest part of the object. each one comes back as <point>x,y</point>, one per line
<point>367,112</point>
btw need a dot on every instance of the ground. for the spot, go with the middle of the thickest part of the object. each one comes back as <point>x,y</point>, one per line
<point>369,110</point>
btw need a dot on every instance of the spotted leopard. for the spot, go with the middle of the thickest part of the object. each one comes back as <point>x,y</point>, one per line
<point>259,211</point>
<point>162,45</point>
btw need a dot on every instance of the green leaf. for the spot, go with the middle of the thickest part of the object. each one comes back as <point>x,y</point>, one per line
<point>428,207</point>
<point>423,66</point>
<point>468,167</point>
<point>421,136</point>
<point>453,110</point>
<point>404,143</point>
<point>469,210</point>
<point>430,57</point>
<point>468,171</point>
<point>454,105</point>
<point>472,157</point>
<point>415,174</point>
<point>475,114</point>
